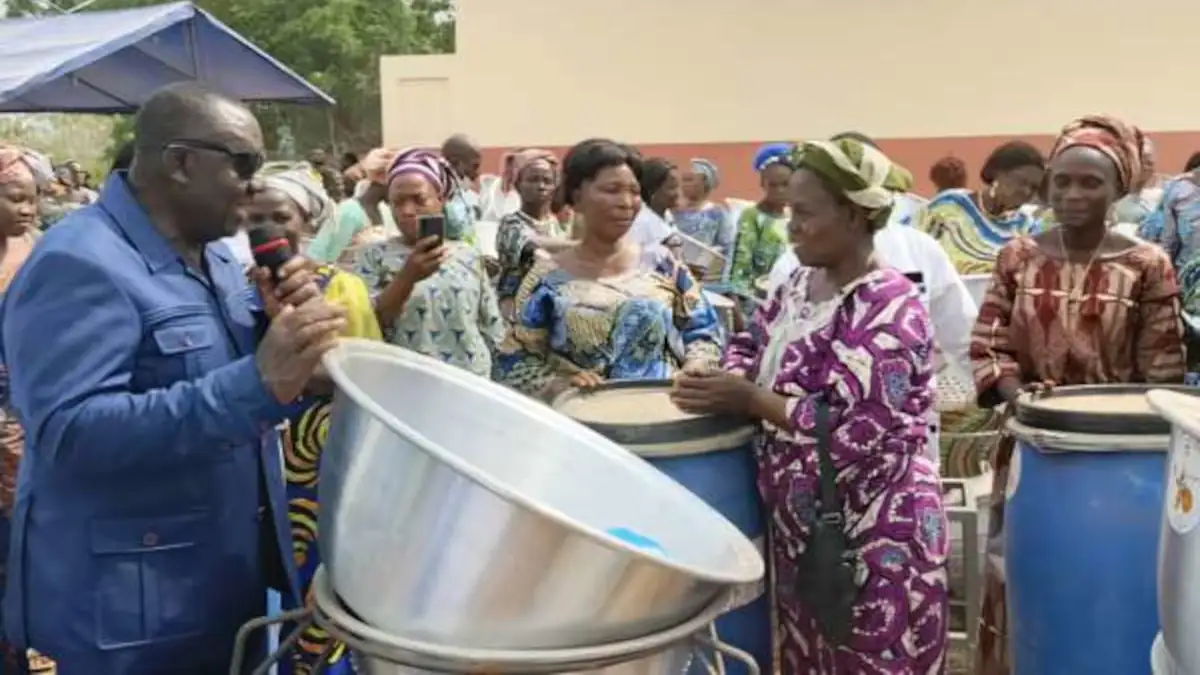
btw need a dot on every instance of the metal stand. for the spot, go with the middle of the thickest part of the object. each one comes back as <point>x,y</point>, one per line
<point>303,619</point>
<point>967,518</point>
<point>721,650</point>
<point>706,646</point>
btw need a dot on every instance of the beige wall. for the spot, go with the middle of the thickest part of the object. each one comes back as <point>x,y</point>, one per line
<point>716,77</point>
<point>418,101</point>
<point>705,71</point>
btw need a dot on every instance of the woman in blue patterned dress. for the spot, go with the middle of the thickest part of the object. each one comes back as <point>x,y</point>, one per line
<point>433,297</point>
<point>972,226</point>
<point>1174,224</point>
<point>1180,209</point>
<point>708,222</point>
<point>606,308</point>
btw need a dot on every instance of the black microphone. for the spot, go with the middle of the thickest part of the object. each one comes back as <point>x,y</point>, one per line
<point>270,247</point>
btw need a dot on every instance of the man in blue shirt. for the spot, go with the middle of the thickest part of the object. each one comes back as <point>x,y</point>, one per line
<point>150,516</point>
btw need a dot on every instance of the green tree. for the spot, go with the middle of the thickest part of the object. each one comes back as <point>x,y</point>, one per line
<point>61,137</point>
<point>334,44</point>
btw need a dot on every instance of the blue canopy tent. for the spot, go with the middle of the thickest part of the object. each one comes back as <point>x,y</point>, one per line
<point>111,61</point>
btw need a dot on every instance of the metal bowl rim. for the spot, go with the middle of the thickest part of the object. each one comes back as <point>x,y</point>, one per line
<point>748,562</point>
<point>332,606</point>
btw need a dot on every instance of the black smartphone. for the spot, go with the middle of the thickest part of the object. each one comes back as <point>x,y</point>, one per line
<point>431,226</point>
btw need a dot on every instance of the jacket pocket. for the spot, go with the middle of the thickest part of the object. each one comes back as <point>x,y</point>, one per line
<point>150,578</point>
<point>181,345</point>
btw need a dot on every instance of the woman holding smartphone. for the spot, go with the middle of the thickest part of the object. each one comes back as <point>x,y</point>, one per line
<point>430,294</point>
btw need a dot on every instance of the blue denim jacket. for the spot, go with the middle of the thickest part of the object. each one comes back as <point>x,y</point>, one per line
<point>149,439</point>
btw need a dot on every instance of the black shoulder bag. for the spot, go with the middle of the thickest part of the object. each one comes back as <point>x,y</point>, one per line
<point>825,571</point>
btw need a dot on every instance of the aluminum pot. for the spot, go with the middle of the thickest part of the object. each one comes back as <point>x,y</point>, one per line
<point>456,511</point>
<point>374,652</point>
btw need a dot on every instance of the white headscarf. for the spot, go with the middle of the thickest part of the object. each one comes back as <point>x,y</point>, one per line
<point>303,186</point>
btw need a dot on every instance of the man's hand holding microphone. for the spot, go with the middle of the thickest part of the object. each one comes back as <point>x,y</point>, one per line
<point>303,326</point>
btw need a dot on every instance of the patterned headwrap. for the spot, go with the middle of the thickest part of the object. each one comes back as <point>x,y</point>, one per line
<point>303,186</point>
<point>427,164</point>
<point>707,171</point>
<point>864,175</point>
<point>517,161</point>
<point>1120,142</point>
<point>772,153</point>
<point>17,163</point>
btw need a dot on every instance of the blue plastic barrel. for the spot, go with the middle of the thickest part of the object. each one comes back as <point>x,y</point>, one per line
<point>1081,531</point>
<point>724,478</point>
<point>712,457</point>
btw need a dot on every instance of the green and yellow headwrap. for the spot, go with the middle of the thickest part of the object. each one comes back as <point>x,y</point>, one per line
<point>861,173</point>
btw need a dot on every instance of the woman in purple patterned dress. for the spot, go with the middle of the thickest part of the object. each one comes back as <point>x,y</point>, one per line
<point>856,335</point>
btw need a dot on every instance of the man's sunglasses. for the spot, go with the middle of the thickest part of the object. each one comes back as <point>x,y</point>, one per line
<point>245,164</point>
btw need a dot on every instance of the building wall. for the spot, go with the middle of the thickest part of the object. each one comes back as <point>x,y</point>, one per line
<point>716,78</point>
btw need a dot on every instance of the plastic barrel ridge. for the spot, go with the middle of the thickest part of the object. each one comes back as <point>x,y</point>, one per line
<point>1083,504</point>
<point>712,457</point>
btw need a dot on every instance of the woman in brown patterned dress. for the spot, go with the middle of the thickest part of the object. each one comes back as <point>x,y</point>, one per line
<point>1077,304</point>
<point>22,173</point>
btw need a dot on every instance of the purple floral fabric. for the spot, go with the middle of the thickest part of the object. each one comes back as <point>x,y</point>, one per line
<point>872,363</point>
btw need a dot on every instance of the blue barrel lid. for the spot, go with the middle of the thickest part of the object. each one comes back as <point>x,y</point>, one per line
<point>1080,409</point>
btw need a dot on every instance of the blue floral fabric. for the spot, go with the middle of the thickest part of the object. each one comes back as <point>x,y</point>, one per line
<point>644,324</point>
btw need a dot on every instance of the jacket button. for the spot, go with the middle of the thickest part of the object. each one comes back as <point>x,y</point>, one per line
<point>150,539</point>
<point>187,340</point>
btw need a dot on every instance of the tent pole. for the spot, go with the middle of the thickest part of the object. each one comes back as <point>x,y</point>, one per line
<point>333,144</point>
<point>195,38</point>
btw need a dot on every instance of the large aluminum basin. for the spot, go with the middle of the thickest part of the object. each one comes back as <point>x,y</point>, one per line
<point>458,512</point>
<point>375,652</point>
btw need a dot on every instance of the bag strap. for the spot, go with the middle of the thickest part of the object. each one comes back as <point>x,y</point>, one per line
<point>830,509</point>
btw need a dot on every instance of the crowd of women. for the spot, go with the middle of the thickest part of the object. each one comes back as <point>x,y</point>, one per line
<point>604,270</point>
